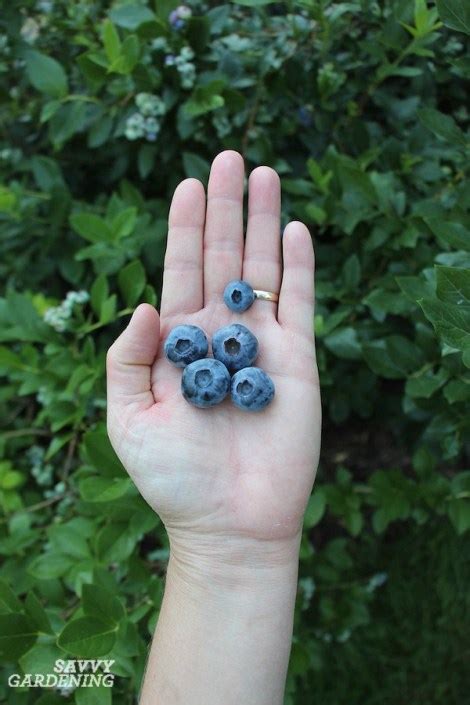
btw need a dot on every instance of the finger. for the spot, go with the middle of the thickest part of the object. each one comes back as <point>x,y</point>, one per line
<point>262,256</point>
<point>296,299</point>
<point>223,236</point>
<point>129,361</point>
<point>182,274</point>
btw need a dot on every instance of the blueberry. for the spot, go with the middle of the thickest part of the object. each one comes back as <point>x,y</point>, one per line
<point>235,346</point>
<point>205,382</point>
<point>238,295</point>
<point>185,344</point>
<point>251,389</point>
<point>304,116</point>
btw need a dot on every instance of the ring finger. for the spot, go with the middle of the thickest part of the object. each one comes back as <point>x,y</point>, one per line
<point>262,258</point>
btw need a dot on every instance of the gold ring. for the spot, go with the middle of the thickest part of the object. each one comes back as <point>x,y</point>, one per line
<point>265,295</point>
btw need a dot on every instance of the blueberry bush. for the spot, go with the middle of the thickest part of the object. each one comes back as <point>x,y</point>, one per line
<point>361,108</point>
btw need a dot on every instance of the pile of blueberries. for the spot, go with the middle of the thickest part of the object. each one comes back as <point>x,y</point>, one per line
<point>206,381</point>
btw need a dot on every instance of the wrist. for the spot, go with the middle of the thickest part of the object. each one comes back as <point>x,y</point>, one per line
<point>223,564</point>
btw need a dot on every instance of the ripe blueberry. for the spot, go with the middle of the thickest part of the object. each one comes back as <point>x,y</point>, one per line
<point>238,295</point>
<point>185,344</point>
<point>205,382</point>
<point>235,346</point>
<point>251,389</point>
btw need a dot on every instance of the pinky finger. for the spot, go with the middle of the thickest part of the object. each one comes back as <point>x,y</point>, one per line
<point>296,298</point>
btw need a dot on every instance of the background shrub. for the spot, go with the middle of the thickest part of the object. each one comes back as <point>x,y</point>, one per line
<point>361,108</point>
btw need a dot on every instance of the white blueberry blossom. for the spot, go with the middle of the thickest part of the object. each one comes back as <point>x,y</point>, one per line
<point>159,44</point>
<point>145,123</point>
<point>4,46</point>
<point>177,18</point>
<point>152,128</point>
<point>221,123</point>
<point>42,472</point>
<point>184,66</point>
<point>184,12</point>
<point>11,155</point>
<point>45,6</point>
<point>135,126</point>
<point>30,30</point>
<point>149,104</point>
<point>57,316</point>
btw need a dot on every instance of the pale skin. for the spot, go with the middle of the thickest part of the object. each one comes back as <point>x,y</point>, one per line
<point>230,486</point>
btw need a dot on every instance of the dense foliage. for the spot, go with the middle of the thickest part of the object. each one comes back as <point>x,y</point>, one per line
<point>361,108</point>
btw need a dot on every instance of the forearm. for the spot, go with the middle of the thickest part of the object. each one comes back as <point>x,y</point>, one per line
<point>225,628</point>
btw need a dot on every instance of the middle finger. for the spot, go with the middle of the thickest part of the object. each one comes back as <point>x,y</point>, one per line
<point>223,236</point>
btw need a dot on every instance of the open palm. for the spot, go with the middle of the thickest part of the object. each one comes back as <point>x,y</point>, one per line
<point>221,471</point>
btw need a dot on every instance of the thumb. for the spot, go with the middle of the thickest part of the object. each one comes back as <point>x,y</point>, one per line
<point>129,361</point>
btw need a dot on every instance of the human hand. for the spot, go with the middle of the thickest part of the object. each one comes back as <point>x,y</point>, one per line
<point>222,477</point>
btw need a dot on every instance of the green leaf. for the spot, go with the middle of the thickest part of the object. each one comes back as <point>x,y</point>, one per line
<point>198,31</point>
<point>11,479</point>
<point>104,489</point>
<point>457,390</point>
<point>124,222</point>
<point>101,454</point>
<point>8,600</point>
<point>41,658</point>
<point>443,126</point>
<point>205,99</point>
<point>414,288</point>
<point>99,292</point>
<point>131,281</point>
<point>344,343</point>
<point>315,509</point>
<point>459,514</point>
<point>17,635</point>
<point>424,386</point>
<point>195,166</point>
<point>315,213</point>
<point>391,494</point>
<point>146,157</point>
<point>131,16</point>
<point>108,309</point>
<point>393,357</point>
<point>450,233</point>
<point>37,613</point>
<point>383,302</point>
<point>70,119</point>
<point>351,272</point>
<point>46,74</point>
<point>164,7</point>
<point>50,565</point>
<point>111,41</point>
<point>100,132</point>
<point>99,602</point>
<point>126,61</point>
<point>253,3</point>
<point>64,538</point>
<point>451,323</point>
<point>87,637</point>
<point>114,543</point>
<point>130,52</point>
<point>98,695</point>
<point>47,173</point>
<point>453,286</point>
<point>455,14</point>
<point>91,227</point>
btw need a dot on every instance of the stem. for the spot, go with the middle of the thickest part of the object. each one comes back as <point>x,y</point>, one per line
<point>96,326</point>
<point>251,117</point>
<point>82,98</point>
<point>70,453</point>
<point>36,507</point>
<point>26,432</point>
